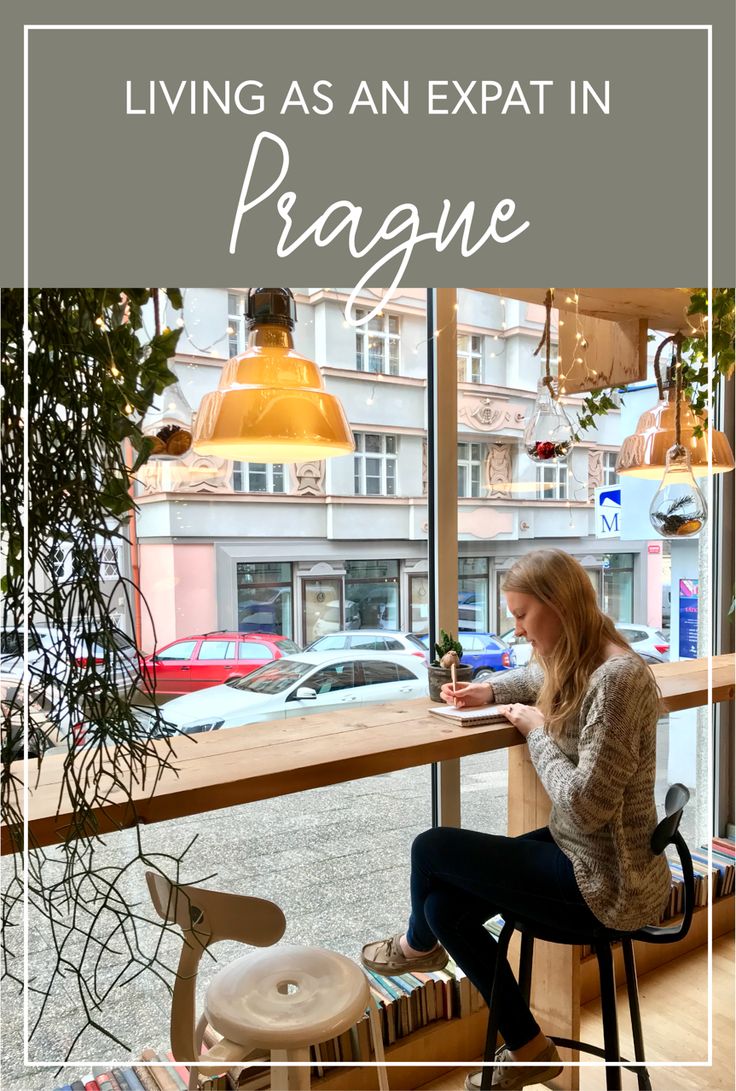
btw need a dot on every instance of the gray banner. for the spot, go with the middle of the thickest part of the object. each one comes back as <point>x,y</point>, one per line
<point>432,156</point>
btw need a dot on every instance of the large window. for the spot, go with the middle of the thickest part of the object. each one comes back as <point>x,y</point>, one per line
<point>235,324</point>
<point>378,345</point>
<point>469,468</point>
<point>552,481</point>
<point>375,462</point>
<point>373,586</point>
<point>264,598</point>
<point>609,468</point>
<point>259,477</point>
<point>469,358</point>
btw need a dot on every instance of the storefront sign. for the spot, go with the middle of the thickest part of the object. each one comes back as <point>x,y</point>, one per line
<point>688,644</point>
<point>608,511</point>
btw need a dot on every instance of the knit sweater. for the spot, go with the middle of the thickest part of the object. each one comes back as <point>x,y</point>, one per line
<point>599,774</point>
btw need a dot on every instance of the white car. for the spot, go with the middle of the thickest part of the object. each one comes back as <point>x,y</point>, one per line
<point>299,684</point>
<point>520,644</point>
<point>370,640</point>
<point>649,642</point>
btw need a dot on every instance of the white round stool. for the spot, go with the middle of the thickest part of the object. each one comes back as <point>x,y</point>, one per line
<point>280,1000</point>
<point>285,999</point>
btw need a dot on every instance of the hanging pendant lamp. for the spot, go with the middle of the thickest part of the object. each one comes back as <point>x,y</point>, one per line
<point>169,424</point>
<point>644,454</point>
<point>548,434</point>
<point>271,404</point>
<point>678,509</point>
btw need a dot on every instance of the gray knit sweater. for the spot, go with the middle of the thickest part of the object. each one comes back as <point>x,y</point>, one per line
<point>599,774</point>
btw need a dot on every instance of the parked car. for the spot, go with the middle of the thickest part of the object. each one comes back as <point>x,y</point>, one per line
<point>329,618</point>
<point>486,653</point>
<point>52,652</point>
<point>48,722</point>
<point>370,640</point>
<point>299,684</point>
<point>520,644</point>
<point>199,662</point>
<point>651,644</point>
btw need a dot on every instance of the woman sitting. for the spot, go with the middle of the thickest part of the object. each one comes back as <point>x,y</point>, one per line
<point>588,707</point>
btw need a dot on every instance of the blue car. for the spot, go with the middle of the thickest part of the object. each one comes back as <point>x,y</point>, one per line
<point>486,653</point>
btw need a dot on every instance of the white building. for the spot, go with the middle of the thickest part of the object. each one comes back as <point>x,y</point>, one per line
<point>343,543</point>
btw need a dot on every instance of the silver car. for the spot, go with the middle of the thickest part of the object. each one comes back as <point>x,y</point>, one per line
<point>651,644</point>
<point>370,640</point>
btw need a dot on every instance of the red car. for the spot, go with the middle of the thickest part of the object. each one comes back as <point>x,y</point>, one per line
<point>195,662</point>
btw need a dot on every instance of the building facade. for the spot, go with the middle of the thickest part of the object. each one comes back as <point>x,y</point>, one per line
<point>314,547</point>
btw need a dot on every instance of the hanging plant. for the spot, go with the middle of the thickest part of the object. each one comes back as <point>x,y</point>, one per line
<point>93,374</point>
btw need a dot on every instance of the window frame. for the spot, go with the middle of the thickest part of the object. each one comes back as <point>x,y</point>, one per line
<point>390,361</point>
<point>386,458</point>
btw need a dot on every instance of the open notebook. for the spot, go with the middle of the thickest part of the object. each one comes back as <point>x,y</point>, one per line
<point>470,717</point>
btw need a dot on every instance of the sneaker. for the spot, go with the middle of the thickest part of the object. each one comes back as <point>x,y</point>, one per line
<point>510,1077</point>
<point>386,957</point>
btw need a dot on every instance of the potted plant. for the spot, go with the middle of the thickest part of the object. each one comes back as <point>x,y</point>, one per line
<point>446,666</point>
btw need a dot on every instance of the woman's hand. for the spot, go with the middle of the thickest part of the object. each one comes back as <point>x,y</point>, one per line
<point>525,718</point>
<point>467,694</point>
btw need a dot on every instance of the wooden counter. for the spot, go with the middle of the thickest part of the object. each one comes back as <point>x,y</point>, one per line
<point>258,761</point>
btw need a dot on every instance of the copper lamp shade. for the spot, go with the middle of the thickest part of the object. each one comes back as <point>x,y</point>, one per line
<point>644,454</point>
<point>271,404</point>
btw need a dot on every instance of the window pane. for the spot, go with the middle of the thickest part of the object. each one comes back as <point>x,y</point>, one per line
<point>393,323</point>
<point>377,673</point>
<point>390,444</point>
<point>213,649</point>
<point>182,650</point>
<point>252,649</point>
<point>372,442</point>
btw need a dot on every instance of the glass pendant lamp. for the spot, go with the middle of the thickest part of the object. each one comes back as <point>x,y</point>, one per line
<point>548,434</point>
<point>271,404</point>
<point>169,423</point>
<point>678,509</point>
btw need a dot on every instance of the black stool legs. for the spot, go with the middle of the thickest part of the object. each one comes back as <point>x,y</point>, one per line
<point>611,1051</point>
<point>608,1014</point>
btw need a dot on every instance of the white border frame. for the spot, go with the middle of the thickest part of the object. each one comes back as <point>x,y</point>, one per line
<point>708,27</point>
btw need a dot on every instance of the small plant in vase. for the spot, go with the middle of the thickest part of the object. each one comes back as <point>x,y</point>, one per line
<point>446,666</point>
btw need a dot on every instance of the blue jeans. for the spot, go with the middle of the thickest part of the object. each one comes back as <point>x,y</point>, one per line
<point>459,879</point>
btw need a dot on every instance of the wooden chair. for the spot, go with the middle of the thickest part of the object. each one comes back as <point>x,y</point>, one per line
<point>277,1001</point>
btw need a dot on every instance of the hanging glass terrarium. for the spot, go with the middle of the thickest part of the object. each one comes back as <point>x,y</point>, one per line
<point>678,509</point>
<point>548,435</point>
<point>169,424</point>
<point>548,432</point>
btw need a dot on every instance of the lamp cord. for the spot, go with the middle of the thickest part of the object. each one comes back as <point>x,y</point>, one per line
<point>156,311</point>
<point>678,387</point>
<point>675,340</point>
<point>546,339</point>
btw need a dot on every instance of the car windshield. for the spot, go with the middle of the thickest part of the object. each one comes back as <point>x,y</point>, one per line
<point>273,677</point>
<point>12,642</point>
<point>415,640</point>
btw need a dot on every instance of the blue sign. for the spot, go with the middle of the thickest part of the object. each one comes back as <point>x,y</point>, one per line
<point>608,511</point>
<point>688,648</point>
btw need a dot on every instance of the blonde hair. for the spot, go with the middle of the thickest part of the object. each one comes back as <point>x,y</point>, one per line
<point>562,584</point>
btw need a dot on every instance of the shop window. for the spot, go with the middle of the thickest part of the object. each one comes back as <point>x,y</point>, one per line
<point>264,598</point>
<point>378,344</point>
<point>373,588</point>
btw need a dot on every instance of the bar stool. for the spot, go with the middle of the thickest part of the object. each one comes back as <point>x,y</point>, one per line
<point>279,1001</point>
<point>601,939</point>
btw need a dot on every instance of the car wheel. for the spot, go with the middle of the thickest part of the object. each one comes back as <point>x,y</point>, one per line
<point>485,674</point>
